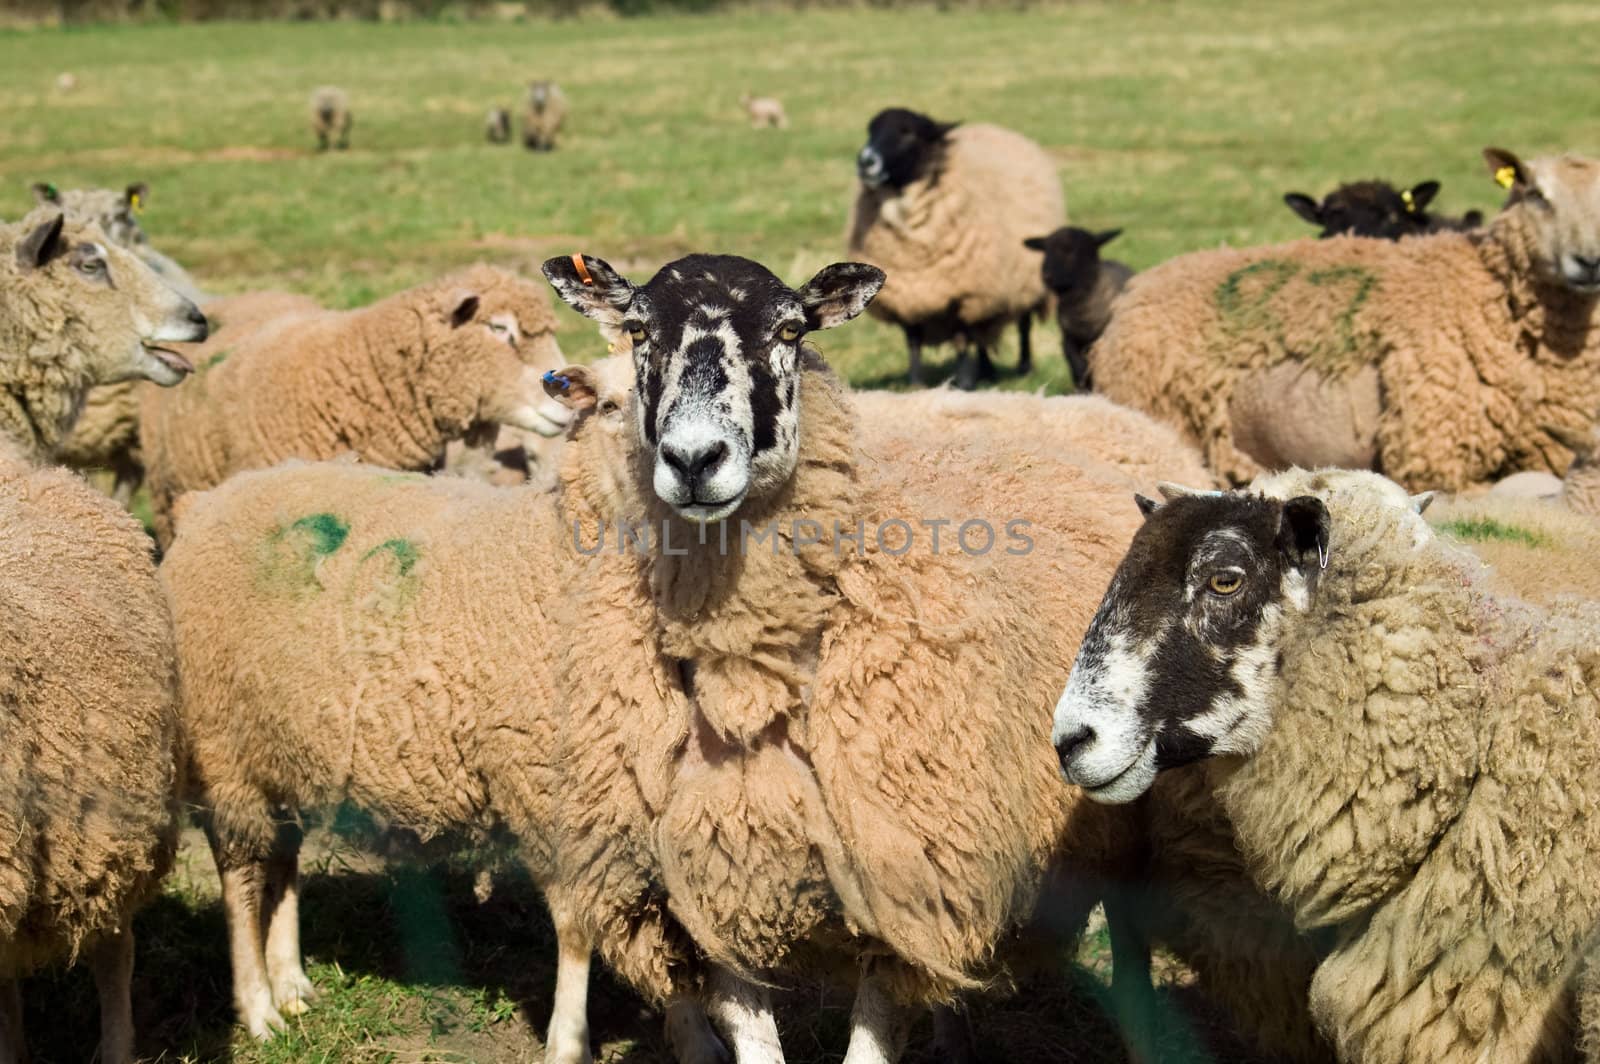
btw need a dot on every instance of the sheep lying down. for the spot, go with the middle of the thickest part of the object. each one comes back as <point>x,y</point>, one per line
<point>1406,754</point>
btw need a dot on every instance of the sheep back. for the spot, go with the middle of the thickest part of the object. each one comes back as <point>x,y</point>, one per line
<point>1533,549</point>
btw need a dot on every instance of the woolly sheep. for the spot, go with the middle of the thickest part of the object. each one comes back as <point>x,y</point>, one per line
<point>943,208</point>
<point>1378,209</point>
<point>75,311</point>
<point>88,742</point>
<point>392,383</point>
<point>1411,756</point>
<point>331,118</point>
<point>1537,550</point>
<point>543,112</point>
<point>1446,360</point>
<point>1084,285</point>
<point>822,781</point>
<point>497,125</point>
<point>117,214</point>
<point>764,111</point>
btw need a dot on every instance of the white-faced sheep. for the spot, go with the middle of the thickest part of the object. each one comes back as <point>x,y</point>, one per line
<point>1407,759</point>
<point>88,741</point>
<point>331,117</point>
<point>392,383</point>
<point>75,311</point>
<point>1446,361</point>
<point>850,767</point>
<point>943,208</point>
<point>1378,209</point>
<point>544,110</point>
<point>764,112</point>
<point>117,213</point>
<point>497,125</point>
<point>1084,285</point>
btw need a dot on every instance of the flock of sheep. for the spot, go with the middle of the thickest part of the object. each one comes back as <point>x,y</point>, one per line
<point>692,636</point>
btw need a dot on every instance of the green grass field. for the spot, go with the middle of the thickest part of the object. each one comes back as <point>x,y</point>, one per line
<point>1182,122</point>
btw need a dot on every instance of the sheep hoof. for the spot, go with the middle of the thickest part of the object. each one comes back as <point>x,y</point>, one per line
<point>264,1024</point>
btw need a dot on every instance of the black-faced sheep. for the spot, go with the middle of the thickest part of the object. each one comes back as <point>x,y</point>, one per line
<point>1084,285</point>
<point>1378,209</point>
<point>544,110</point>
<point>943,209</point>
<point>1406,759</point>
<point>76,310</point>
<point>392,383</point>
<point>331,117</point>
<point>1447,360</point>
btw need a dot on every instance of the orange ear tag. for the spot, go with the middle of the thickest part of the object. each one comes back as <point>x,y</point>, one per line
<point>583,271</point>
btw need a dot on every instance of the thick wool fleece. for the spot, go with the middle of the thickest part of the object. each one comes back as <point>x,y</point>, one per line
<point>855,753</point>
<point>1426,796</point>
<point>951,242</point>
<point>88,730</point>
<point>1438,359</point>
<point>1532,549</point>
<point>392,383</point>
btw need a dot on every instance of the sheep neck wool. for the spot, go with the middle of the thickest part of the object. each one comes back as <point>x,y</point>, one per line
<point>1553,319</point>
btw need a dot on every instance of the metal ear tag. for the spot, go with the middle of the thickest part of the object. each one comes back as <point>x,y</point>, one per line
<point>1322,554</point>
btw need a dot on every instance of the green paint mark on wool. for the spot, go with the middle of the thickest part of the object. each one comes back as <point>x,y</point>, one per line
<point>1486,529</point>
<point>217,359</point>
<point>1260,297</point>
<point>405,554</point>
<point>290,554</point>
<point>326,533</point>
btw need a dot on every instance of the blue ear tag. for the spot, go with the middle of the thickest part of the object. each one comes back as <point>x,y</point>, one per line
<point>552,377</point>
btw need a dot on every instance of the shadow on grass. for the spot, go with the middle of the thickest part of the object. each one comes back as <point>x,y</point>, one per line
<point>936,372</point>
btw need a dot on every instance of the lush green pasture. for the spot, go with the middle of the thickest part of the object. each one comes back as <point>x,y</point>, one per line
<point>1182,122</point>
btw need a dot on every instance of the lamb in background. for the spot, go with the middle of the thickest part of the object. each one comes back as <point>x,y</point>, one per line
<point>1084,286</point>
<point>764,111</point>
<point>1378,209</point>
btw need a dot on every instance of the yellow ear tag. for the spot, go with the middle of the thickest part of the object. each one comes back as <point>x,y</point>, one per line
<point>1411,204</point>
<point>136,202</point>
<point>1506,176</point>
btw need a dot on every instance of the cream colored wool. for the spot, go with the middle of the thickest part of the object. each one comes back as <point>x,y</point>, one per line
<point>1533,549</point>
<point>1424,795</point>
<point>542,118</point>
<point>1475,365</point>
<point>951,242</point>
<point>330,117</point>
<point>764,111</point>
<point>116,213</point>
<point>88,735</point>
<point>392,383</point>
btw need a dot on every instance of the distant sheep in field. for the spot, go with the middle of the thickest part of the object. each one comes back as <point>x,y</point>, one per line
<point>1084,285</point>
<point>1356,353</point>
<point>331,117</point>
<point>943,209</point>
<point>497,125</point>
<point>543,112</point>
<point>1378,209</point>
<point>764,111</point>
<point>66,82</point>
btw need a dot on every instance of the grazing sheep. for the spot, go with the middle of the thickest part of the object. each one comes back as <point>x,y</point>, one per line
<point>66,82</point>
<point>1378,209</point>
<point>764,111</point>
<point>943,208</point>
<point>1447,361</point>
<point>1084,285</point>
<point>88,742</point>
<point>392,383</point>
<point>850,768</point>
<point>331,118</point>
<point>497,125</point>
<point>1410,758</point>
<point>543,112</point>
<point>75,311</point>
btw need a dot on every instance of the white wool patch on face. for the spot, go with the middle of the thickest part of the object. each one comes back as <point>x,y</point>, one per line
<point>1239,723</point>
<point>1097,719</point>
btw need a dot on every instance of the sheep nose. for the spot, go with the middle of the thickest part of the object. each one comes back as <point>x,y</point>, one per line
<point>695,466</point>
<point>1070,744</point>
<point>1588,265</point>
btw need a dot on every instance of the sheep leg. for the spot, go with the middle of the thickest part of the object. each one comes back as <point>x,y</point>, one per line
<point>744,1012</point>
<point>986,370</point>
<point>1025,343</point>
<point>111,959</point>
<point>690,1035</point>
<point>914,353</point>
<point>242,888</point>
<point>292,991</point>
<point>966,367</point>
<point>13,1050</point>
<point>879,1025</point>
<point>567,1041</point>
<point>1077,361</point>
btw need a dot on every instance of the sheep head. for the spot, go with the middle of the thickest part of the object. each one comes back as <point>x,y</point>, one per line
<point>1555,202</point>
<point>717,345</point>
<point>901,147</point>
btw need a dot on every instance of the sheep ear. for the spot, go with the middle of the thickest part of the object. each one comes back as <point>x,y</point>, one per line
<point>944,128</point>
<point>1170,491</point>
<point>1146,506</point>
<point>1303,205</point>
<point>590,286</point>
<point>137,195</point>
<point>45,192</point>
<point>839,292</point>
<point>1418,196</point>
<point>1102,239</point>
<point>573,387</point>
<point>1421,501</point>
<point>1472,219</point>
<point>1506,169</point>
<point>41,245</point>
<point>463,308</point>
<point>1303,531</point>
<point>1035,243</point>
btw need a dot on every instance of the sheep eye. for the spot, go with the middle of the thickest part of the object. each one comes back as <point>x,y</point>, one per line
<point>92,267</point>
<point>1226,583</point>
<point>607,407</point>
<point>638,334</point>
<point>789,333</point>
